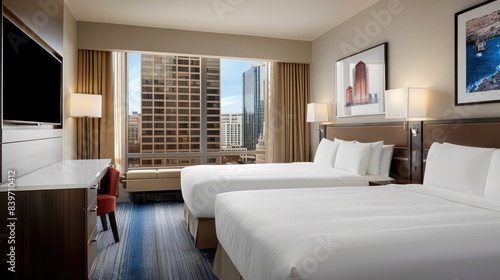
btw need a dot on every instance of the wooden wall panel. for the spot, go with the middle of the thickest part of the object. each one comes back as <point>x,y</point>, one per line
<point>44,17</point>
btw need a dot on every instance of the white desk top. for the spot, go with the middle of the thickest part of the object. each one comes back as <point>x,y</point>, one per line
<point>62,174</point>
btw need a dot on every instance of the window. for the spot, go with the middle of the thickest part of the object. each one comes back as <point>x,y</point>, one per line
<point>180,115</point>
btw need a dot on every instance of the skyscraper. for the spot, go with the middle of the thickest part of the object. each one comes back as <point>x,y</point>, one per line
<point>231,131</point>
<point>254,91</point>
<point>171,109</point>
<point>361,87</point>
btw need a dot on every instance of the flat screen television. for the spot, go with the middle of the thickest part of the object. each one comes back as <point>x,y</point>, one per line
<point>32,79</point>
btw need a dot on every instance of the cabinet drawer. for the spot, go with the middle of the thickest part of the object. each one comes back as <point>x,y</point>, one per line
<point>91,249</point>
<point>91,213</point>
<point>91,194</point>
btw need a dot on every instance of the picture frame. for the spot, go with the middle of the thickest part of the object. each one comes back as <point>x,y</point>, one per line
<point>477,54</point>
<point>361,80</point>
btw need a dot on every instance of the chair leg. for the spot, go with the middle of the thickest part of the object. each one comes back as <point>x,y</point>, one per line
<point>112,221</point>
<point>104,222</point>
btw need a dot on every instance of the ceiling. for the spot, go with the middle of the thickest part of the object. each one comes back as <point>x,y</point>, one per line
<point>288,19</point>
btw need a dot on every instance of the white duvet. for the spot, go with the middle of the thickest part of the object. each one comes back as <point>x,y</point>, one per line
<point>200,184</point>
<point>377,233</point>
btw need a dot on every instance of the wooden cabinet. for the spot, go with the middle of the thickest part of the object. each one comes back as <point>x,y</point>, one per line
<point>44,17</point>
<point>55,226</point>
<point>91,225</point>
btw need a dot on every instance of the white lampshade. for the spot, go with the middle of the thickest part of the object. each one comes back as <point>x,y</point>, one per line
<point>317,112</point>
<point>405,103</point>
<point>85,105</point>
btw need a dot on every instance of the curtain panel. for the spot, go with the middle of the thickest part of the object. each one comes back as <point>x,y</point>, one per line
<point>95,76</point>
<point>287,130</point>
<point>120,89</point>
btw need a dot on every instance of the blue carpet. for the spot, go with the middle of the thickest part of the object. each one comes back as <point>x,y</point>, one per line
<point>154,244</point>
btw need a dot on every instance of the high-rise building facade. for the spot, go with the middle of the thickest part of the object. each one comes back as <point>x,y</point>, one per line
<point>254,92</point>
<point>361,87</point>
<point>173,108</point>
<point>231,131</point>
<point>134,132</point>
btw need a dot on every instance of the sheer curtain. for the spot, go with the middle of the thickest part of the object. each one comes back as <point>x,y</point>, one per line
<point>120,90</point>
<point>95,76</point>
<point>287,131</point>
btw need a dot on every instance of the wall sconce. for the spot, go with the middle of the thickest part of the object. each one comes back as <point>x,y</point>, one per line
<point>85,106</point>
<point>316,113</point>
<point>405,103</point>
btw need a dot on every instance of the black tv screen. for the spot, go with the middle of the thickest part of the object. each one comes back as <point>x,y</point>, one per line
<point>32,79</point>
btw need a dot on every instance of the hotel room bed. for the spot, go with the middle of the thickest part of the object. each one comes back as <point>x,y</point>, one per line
<point>446,228</point>
<point>360,163</point>
<point>202,183</point>
<point>389,232</point>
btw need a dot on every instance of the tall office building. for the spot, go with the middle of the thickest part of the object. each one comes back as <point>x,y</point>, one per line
<point>171,109</point>
<point>231,131</point>
<point>134,136</point>
<point>254,92</point>
<point>360,89</point>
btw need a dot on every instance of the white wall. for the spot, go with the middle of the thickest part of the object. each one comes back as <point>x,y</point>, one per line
<point>420,37</point>
<point>70,55</point>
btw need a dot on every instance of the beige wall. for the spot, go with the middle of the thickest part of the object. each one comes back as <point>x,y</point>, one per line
<point>420,37</point>
<point>103,36</point>
<point>69,83</point>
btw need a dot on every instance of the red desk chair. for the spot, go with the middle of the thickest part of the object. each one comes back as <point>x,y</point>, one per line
<point>106,200</point>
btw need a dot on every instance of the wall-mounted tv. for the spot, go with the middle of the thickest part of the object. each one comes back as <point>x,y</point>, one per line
<point>32,79</point>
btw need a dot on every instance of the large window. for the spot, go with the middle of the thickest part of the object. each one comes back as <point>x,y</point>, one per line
<point>185,110</point>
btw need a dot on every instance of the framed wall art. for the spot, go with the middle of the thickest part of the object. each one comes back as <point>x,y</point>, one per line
<point>360,82</point>
<point>477,54</point>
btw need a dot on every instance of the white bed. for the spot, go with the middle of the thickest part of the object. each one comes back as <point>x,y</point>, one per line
<point>448,228</point>
<point>201,184</point>
<point>337,164</point>
<point>390,232</point>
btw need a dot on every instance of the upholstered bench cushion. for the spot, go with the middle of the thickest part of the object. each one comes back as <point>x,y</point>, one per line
<point>144,180</point>
<point>169,173</point>
<point>142,174</point>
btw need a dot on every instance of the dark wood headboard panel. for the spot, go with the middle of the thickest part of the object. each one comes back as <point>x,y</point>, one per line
<point>469,132</point>
<point>390,133</point>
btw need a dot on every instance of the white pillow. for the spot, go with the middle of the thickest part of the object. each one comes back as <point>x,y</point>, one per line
<point>374,162</point>
<point>386,159</point>
<point>459,168</point>
<point>326,152</point>
<point>353,156</point>
<point>492,187</point>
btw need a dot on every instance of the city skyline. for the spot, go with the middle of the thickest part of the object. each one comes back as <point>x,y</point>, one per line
<point>231,76</point>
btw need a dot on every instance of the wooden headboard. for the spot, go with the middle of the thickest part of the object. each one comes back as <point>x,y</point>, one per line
<point>390,133</point>
<point>469,132</point>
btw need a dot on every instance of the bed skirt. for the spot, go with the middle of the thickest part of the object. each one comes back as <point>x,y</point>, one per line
<point>223,267</point>
<point>202,230</point>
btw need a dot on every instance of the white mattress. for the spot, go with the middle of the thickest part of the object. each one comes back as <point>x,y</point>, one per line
<point>378,233</point>
<point>200,184</point>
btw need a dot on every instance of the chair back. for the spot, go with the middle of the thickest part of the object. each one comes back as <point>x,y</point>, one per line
<point>109,182</point>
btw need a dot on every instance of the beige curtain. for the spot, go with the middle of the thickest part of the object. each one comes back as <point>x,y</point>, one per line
<point>287,131</point>
<point>95,77</point>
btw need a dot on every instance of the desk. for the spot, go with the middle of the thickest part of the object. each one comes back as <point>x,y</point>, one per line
<point>55,221</point>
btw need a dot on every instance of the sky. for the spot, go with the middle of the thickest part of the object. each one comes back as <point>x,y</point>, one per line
<point>231,83</point>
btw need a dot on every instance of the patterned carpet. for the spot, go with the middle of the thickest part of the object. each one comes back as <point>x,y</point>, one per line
<point>154,244</point>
